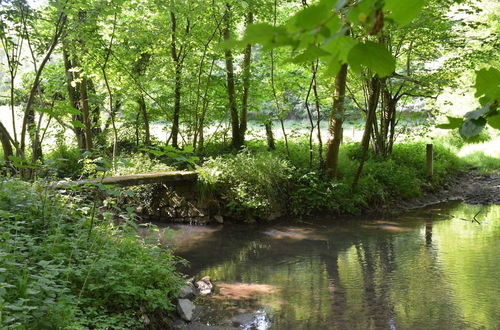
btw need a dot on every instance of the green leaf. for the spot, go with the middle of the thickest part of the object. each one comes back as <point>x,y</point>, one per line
<point>311,53</point>
<point>477,113</point>
<point>403,11</point>
<point>472,127</point>
<point>488,84</point>
<point>77,124</point>
<point>339,47</point>
<point>360,12</point>
<point>494,121</point>
<point>373,56</point>
<point>311,17</point>
<point>453,122</point>
<point>267,35</point>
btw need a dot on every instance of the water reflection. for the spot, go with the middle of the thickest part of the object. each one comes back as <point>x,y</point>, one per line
<point>425,270</point>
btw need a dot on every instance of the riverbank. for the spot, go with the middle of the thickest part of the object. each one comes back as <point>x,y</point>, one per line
<point>470,186</point>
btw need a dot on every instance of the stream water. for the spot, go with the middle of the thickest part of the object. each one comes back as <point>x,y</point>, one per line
<point>435,268</point>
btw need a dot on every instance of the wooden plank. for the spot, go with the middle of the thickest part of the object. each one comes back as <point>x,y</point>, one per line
<point>171,178</point>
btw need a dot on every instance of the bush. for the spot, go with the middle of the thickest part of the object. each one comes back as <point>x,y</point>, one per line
<point>58,271</point>
<point>252,185</point>
<point>65,161</point>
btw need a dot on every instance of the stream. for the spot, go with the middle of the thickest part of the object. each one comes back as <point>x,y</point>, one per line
<point>433,268</point>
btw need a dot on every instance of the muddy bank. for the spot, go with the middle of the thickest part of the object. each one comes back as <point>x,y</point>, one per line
<point>471,188</point>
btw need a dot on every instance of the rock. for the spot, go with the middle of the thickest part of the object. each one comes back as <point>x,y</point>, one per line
<point>185,308</point>
<point>242,320</point>
<point>204,286</point>
<point>188,291</point>
<point>219,218</point>
<point>178,324</point>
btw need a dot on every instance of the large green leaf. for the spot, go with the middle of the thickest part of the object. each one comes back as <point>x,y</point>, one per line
<point>266,35</point>
<point>373,56</point>
<point>472,127</point>
<point>339,49</point>
<point>477,113</point>
<point>311,53</point>
<point>488,84</point>
<point>453,122</point>
<point>403,11</point>
<point>311,17</point>
<point>494,121</point>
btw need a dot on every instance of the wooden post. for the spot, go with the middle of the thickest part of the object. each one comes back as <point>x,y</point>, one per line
<point>430,160</point>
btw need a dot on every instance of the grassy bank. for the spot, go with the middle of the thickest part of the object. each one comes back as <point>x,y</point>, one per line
<point>257,184</point>
<point>64,267</point>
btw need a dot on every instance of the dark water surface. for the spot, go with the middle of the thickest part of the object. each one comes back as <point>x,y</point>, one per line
<point>428,269</point>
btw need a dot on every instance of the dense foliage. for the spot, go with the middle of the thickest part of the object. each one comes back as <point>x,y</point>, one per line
<point>239,91</point>
<point>59,272</point>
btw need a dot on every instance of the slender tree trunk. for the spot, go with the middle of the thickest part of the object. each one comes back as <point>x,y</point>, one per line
<point>177,59</point>
<point>269,134</point>
<point>85,109</point>
<point>231,93</point>
<point>374,90</point>
<point>310,117</point>
<point>201,136</point>
<point>145,118</point>
<point>336,122</point>
<point>34,87</point>
<point>36,148</point>
<point>246,83</point>
<point>6,143</point>
<point>318,116</point>
<point>177,106</point>
<point>74,97</point>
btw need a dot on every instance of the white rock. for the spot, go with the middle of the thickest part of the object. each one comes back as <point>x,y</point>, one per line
<point>204,286</point>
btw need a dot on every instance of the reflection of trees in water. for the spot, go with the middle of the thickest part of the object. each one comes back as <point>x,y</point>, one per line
<point>338,279</point>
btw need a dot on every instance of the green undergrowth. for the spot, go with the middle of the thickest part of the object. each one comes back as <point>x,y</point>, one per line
<point>257,183</point>
<point>63,268</point>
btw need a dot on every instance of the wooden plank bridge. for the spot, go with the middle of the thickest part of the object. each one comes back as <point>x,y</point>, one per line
<point>171,178</point>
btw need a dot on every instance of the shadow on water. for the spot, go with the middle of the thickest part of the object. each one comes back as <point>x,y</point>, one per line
<point>427,269</point>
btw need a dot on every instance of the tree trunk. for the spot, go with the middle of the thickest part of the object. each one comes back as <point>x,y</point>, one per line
<point>177,106</point>
<point>36,148</point>
<point>336,122</point>
<point>34,87</point>
<point>6,144</point>
<point>246,83</point>
<point>318,116</point>
<point>269,134</point>
<point>231,94</point>
<point>145,118</point>
<point>74,97</point>
<point>374,90</point>
<point>85,109</point>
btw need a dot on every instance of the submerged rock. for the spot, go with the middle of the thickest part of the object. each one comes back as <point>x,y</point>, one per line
<point>185,308</point>
<point>205,286</point>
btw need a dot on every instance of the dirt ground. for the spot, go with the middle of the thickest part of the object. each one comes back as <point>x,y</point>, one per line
<point>471,187</point>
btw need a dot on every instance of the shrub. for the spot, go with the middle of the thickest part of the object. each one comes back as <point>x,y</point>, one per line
<point>65,161</point>
<point>58,271</point>
<point>252,185</point>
